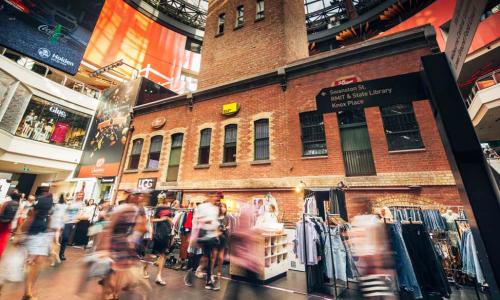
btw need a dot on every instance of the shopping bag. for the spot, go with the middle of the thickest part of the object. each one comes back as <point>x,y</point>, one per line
<point>13,264</point>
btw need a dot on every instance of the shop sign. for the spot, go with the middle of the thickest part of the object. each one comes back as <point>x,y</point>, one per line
<point>146,183</point>
<point>384,91</point>
<point>346,80</point>
<point>230,109</point>
<point>463,27</point>
<point>158,122</point>
<point>57,111</point>
<point>108,180</point>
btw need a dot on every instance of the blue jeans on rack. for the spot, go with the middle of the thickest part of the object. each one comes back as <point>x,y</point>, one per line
<point>406,275</point>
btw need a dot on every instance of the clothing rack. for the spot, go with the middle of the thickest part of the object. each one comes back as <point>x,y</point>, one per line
<point>312,216</point>
<point>343,227</point>
<point>476,283</point>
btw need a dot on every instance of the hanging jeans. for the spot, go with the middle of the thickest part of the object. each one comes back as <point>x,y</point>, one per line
<point>406,275</point>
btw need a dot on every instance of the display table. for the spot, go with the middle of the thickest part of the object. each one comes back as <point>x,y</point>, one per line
<point>273,250</point>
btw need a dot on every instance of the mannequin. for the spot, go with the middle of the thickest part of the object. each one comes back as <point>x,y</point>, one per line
<point>28,123</point>
<point>47,130</point>
<point>37,131</point>
<point>449,217</point>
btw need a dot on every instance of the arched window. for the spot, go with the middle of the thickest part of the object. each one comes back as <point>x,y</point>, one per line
<point>135,154</point>
<point>155,152</point>
<point>230,138</point>
<point>175,157</point>
<point>261,139</point>
<point>204,151</point>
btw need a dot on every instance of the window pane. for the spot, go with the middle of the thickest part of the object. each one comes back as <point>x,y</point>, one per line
<point>154,160</point>
<point>262,129</point>
<point>205,137</point>
<point>230,153</point>
<point>204,156</point>
<point>172,173</point>
<point>230,134</point>
<point>134,161</point>
<point>312,134</point>
<point>156,143</point>
<point>137,147</point>
<point>175,157</point>
<point>177,140</point>
<point>401,127</point>
<point>262,149</point>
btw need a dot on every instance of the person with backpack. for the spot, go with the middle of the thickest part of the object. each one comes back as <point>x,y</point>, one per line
<point>8,212</point>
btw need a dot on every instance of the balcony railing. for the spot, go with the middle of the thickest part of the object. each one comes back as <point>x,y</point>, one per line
<point>52,74</point>
<point>482,83</point>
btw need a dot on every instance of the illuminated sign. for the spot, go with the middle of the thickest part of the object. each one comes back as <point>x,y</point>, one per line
<point>230,109</point>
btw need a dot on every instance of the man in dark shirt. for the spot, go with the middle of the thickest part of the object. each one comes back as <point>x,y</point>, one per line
<point>38,240</point>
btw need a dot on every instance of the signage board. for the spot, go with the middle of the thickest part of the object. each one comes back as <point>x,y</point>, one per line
<point>462,30</point>
<point>230,108</point>
<point>146,183</point>
<point>108,180</point>
<point>385,91</point>
<point>158,122</point>
<point>55,32</point>
<point>109,131</point>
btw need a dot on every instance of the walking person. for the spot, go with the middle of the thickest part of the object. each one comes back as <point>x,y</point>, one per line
<point>73,213</point>
<point>38,240</point>
<point>126,229</point>
<point>220,250</point>
<point>162,227</point>
<point>57,224</point>
<point>8,212</point>
<point>208,214</point>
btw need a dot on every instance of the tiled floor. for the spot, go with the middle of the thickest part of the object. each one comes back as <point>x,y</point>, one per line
<point>62,283</point>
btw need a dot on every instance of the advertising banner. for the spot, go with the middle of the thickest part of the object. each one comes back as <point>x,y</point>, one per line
<point>55,32</point>
<point>108,133</point>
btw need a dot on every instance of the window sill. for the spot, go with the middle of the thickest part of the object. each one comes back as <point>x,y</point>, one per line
<point>314,157</point>
<point>258,19</point>
<point>202,166</point>
<point>219,34</point>
<point>238,27</point>
<point>228,165</point>
<point>260,162</point>
<point>151,170</point>
<point>407,151</point>
<point>130,171</point>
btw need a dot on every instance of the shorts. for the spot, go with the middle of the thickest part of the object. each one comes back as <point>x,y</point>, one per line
<point>39,244</point>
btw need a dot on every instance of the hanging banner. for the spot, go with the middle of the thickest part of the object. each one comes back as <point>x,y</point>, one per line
<point>384,91</point>
<point>463,27</point>
<point>108,134</point>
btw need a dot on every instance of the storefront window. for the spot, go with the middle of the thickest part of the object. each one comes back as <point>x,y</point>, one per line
<point>48,122</point>
<point>401,127</point>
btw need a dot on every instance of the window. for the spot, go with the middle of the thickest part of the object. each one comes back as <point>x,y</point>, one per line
<point>52,123</point>
<point>155,152</point>
<point>259,14</point>
<point>401,127</point>
<point>261,143</point>
<point>175,157</point>
<point>312,134</point>
<point>240,16</point>
<point>204,152</point>
<point>230,137</point>
<point>135,154</point>
<point>220,23</point>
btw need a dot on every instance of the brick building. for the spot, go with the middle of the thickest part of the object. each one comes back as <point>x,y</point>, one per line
<point>276,141</point>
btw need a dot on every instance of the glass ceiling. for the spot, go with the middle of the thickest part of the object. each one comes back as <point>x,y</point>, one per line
<point>320,14</point>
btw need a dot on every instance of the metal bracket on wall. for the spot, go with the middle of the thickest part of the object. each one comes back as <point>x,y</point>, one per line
<point>283,79</point>
<point>190,100</point>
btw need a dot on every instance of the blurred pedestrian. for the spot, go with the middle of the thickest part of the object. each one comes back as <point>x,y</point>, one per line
<point>56,225</point>
<point>8,212</point>
<point>162,227</point>
<point>73,214</point>
<point>38,240</point>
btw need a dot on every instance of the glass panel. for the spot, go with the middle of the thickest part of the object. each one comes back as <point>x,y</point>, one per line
<point>204,155</point>
<point>177,140</point>
<point>156,143</point>
<point>230,153</point>
<point>262,129</point>
<point>134,162</point>
<point>230,135</point>
<point>137,146</point>
<point>154,160</point>
<point>175,157</point>
<point>205,137</point>
<point>401,127</point>
<point>172,173</point>
<point>262,149</point>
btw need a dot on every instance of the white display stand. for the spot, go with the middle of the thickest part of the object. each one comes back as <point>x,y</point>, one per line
<point>273,248</point>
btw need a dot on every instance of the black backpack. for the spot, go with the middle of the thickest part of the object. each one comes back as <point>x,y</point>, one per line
<point>9,212</point>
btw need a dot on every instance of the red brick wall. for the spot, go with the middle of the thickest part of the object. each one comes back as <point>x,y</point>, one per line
<point>287,167</point>
<point>256,47</point>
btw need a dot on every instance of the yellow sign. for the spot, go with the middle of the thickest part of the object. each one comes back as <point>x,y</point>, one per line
<point>230,109</point>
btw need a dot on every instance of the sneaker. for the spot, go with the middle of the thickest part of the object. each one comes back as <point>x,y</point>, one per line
<point>188,278</point>
<point>200,274</point>
<point>210,286</point>
<point>216,284</point>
